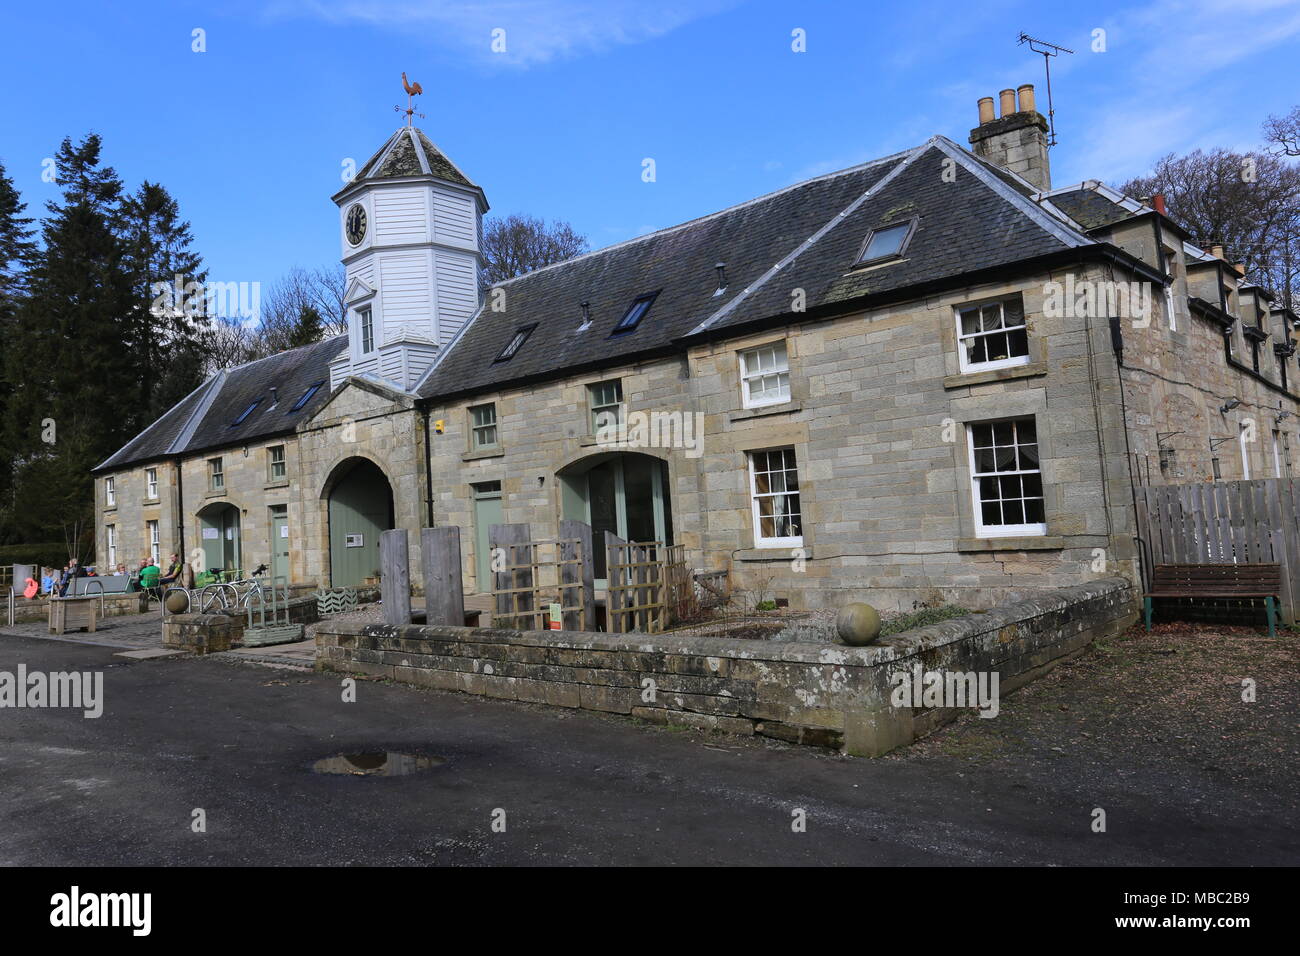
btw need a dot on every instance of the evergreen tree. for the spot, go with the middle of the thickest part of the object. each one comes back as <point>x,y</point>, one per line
<point>15,249</point>
<point>307,328</point>
<point>165,325</point>
<point>75,397</point>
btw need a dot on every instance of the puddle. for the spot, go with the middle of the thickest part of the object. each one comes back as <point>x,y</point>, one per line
<point>377,763</point>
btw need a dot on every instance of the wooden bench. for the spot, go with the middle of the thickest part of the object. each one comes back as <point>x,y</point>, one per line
<point>1243,581</point>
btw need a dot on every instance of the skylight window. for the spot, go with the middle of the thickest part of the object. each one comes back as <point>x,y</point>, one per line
<point>887,242</point>
<point>516,342</point>
<point>635,313</point>
<point>306,396</point>
<point>246,412</point>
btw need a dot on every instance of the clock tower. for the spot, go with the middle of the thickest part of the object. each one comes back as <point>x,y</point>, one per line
<point>410,231</point>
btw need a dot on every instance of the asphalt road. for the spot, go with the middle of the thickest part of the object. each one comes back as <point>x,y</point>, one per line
<point>238,740</point>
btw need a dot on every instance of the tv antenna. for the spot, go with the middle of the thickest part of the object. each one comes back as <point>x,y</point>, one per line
<point>1048,50</point>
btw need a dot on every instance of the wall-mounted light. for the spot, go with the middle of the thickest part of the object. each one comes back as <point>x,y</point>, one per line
<point>1281,417</point>
<point>1229,405</point>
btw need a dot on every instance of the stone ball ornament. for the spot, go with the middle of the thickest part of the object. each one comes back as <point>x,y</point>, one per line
<point>857,624</point>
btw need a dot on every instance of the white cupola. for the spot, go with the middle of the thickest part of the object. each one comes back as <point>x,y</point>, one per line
<point>410,229</point>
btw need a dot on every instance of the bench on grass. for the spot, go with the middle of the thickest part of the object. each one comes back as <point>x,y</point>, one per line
<point>1238,581</point>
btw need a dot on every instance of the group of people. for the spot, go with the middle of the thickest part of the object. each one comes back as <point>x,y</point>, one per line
<point>148,576</point>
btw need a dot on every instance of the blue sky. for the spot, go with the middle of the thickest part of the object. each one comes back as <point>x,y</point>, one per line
<point>251,135</point>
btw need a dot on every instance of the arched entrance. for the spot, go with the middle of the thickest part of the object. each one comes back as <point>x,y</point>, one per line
<point>219,535</point>
<point>360,507</point>
<point>622,492</point>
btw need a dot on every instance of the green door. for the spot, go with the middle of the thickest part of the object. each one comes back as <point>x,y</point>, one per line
<point>279,542</point>
<point>360,507</point>
<point>219,531</point>
<point>487,512</point>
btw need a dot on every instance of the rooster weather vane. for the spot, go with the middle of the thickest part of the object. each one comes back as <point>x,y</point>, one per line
<point>412,90</point>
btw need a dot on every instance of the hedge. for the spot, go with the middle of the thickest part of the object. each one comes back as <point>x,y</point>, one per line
<point>52,554</point>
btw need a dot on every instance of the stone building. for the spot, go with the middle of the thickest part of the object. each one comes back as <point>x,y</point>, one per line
<point>928,377</point>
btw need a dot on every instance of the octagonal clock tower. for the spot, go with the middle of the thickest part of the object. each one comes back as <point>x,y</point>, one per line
<point>410,230</point>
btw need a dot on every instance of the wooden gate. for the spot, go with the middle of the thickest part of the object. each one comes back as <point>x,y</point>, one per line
<point>1226,522</point>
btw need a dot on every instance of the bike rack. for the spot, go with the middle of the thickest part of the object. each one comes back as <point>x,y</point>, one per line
<point>279,632</point>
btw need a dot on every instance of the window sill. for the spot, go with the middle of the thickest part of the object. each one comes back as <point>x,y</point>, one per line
<point>483,453</point>
<point>110,509</point>
<point>1046,542</point>
<point>282,483</point>
<point>1028,370</point>
<point>779,553</point>
<point>214,494</point>
<point>776,408</point>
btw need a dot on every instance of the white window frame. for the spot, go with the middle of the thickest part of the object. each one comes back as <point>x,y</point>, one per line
<point>151,483</point>
<point>151,528</point>
<point>1027,530</point>
<point>216,475</point>
<point>475,428</point>
<point>1245,456</point>
<point>110,545</point>
<point>283,462</point>
<point>110,493</point>
<point>365,329</point>
<point>962,338</point>
<point>616,406</point>
<point>761,540</point>
<point>780,369</point>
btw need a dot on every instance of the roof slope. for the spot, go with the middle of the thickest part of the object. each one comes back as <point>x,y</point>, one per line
<point>408,152</point>
<point>203,419</point>
<point>807,236</point>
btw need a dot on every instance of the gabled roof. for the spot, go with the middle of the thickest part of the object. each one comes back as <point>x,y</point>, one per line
<point>807,236</point>
<point>203,418</point>
<point>408,154</point>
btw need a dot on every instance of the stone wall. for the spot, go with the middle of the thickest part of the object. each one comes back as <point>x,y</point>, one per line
<point>115,605</point>
<point>826,695</point>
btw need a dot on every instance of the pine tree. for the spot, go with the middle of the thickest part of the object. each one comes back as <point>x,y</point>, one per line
<point>76,394</point>
<point>307,328</point>
<point>164,328</point>
<point>15,250</point>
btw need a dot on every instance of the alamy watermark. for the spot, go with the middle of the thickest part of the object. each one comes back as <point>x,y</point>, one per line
<point>974,689</point>
<point>182,297</point>
<point>77,690</point>
<point>675,429</point>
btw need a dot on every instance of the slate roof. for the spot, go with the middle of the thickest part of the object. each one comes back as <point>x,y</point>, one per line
<point>807,236</point>
<point>203,418</point>
<point>408,153</point>
<point>1090,209</point>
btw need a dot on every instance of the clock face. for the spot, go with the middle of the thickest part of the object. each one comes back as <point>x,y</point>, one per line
<point>355,226</point>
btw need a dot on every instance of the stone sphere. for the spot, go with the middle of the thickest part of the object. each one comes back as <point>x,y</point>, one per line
<point>857,624</point>
<point>177,603</point>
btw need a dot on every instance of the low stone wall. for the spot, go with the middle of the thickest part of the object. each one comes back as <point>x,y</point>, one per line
<point>115,605</point>
<point>826,695</point>
<point>201,633</point>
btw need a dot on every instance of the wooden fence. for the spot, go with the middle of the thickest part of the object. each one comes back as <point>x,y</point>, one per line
<point>1225,522</point>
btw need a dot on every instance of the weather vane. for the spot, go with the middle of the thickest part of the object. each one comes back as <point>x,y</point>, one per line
<point>412,90</point>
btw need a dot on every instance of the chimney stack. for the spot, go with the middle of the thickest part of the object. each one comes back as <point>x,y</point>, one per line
<point>1016,140</point>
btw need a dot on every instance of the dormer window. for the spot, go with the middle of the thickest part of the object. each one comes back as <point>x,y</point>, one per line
<point>635,313</point>
<point>887,242</point>
<point>245,413</point>
<point>516,343</point>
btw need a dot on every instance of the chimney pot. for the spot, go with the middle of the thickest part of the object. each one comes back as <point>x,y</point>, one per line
<point>1026,93</point>
<point>986,110</point>
<point>1158,203</point>
<point>1008,105</point>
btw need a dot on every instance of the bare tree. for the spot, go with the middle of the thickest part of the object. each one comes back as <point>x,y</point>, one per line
<point>1247,202</point>
<point>1284,132</point>
<point>517,244</point>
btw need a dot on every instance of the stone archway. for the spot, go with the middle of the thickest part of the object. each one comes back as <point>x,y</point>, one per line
<point>219,536</point>
<point>623,492</point>
<point>359,504</point>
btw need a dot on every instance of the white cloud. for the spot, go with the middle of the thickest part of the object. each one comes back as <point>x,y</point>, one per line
<point>536,31</point>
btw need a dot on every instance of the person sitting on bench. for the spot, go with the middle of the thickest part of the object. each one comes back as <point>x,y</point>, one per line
<point>49,578</point>
<point>173,572</point>
<point>149,579</point>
